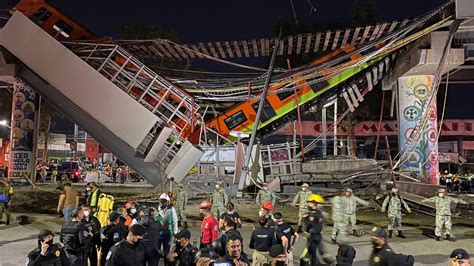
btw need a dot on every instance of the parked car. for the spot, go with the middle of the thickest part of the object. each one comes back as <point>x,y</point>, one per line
<point>72,169</point>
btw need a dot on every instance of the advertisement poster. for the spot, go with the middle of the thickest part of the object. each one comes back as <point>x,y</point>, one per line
<point>24,108</point>
<point>414,92</point>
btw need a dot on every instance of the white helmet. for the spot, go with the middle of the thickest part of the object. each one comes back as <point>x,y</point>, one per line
<point>165,197</point>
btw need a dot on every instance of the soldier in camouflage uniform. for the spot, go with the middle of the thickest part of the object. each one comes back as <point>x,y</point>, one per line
<point>265,195</point>
<point>180,206</point>
<point>394,203</point>
<point>6,193</point>
<point>219,200</point>
<point>300,201</point>
<point>351,202</point>
<point>338,217</point>
<point>443,213</point>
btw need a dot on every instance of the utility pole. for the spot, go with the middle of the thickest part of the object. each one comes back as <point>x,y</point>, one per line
<point>248,154</point>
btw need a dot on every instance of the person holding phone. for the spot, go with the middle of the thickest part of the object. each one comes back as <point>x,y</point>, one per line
<point>47,253</point>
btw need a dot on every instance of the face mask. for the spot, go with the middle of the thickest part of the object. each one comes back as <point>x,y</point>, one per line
<point>88,189</point>
<point>260,213</point>
<point>218,187</point>
<point>133,211</point>
<point>230,212</point>
<point>86,213</point>
<point>441,195</point>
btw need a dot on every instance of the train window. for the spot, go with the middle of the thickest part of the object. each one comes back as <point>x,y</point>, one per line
<point>41,15</point>
<point>267,111</point>
<point>64,26</point>
<point>235,120</point>
<point>283,95</point>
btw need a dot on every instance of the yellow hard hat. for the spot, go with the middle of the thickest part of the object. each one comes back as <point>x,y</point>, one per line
<point>316,198</point>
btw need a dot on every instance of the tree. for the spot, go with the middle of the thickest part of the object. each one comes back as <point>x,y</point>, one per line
<point>47,115</point>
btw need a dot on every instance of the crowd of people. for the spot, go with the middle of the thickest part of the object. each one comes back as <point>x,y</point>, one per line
<point>149,234</point>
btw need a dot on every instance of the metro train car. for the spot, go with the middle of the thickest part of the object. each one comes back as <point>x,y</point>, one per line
<point>63,28</point>
<point>53,21</point>
<point>241,117</point>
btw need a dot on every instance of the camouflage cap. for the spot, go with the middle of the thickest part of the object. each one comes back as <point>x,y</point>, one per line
<point>348,189</point>
<point>305,185</point>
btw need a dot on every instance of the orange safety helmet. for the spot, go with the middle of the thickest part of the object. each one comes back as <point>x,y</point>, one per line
<point>205,204</point>
<point>267,205</point>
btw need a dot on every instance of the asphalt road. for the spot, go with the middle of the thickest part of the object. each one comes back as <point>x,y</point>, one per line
<point>18,239</point>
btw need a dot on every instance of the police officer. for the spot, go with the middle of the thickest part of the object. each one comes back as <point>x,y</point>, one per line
<point>129,251</point>
<point>265,195</point>
<point>443,213</point>
<point>180,206</point>
<point>219,200</point>
<point>339,231</point>
<point>394,203</point>
<point>6,194</point>
<point>313,224</point>
<point>382,254</point>
<point>261,241</point>
<point>111,235</point>
<point>184,252</point>
<point>351,209</point>
<point>47,253</point>
<point>345,255</point>
<point>93,225</point>
<point>460,257</point>
<point>285,235</point>
<point>75,238</point>
<point>300,201</point>
<point>152,237</point>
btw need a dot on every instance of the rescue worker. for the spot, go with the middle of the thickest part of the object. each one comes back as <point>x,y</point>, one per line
<point>47,253</point>
<point>265,194</point>
<point>129,213</point>
<point>382,254</point>
<point>93,225</point>
<point>151,240</point>
<point>129,251</point>
<point>285,235</point>
<point>75,238</point>
<point>180,205</point>
<point>460,257</point>
<point>265,213</point>
<point>219,200</point>
<point>351,202</point>
<point>231,213</point>
<point>167,217</point>
<point>184,253</point>
<point>209,226</point>
<point>443,213</point>
<point>93,198</point>
<point>300,201</point>
<point>313,224</point>
<point>394,202</point>
<point>110,236</point>
<point>6,194</point>
<point>261,241</point>
<point>339,230</point>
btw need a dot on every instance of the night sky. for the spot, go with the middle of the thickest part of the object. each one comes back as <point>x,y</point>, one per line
<point>217,20</point>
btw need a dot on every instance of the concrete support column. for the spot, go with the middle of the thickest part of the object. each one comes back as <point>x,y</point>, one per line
<point>413,92</point>
<point>460,142</point>
<point>24,131</point>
